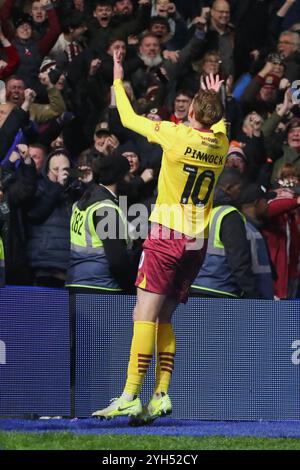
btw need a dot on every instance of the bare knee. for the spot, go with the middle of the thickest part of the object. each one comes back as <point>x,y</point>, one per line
<point>148,306</point>
<point>135,315</point>
<point>144,314</point>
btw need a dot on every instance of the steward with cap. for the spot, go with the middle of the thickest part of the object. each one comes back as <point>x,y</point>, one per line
<point>99,257</point>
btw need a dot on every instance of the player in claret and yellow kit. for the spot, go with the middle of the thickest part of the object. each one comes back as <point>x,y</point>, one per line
<point>193,158</point>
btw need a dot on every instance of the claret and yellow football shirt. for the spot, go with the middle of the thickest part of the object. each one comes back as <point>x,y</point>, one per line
<point>191,164</point>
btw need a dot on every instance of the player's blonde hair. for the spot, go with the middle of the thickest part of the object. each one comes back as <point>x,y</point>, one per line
<point>208,108</point>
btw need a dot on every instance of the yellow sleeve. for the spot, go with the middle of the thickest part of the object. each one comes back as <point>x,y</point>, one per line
<point>219,127</point>
<point>159,132</point>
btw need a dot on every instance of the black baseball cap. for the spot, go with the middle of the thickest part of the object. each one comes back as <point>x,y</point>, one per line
<point>102,128</point>
<point>252,192</point>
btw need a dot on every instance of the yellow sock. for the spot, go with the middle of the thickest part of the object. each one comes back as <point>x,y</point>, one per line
<point>141,352</point>
<point>165,353</point>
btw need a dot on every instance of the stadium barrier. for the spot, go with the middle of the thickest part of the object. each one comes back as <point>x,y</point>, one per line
<point>35,358</point>
<point>236,359</point>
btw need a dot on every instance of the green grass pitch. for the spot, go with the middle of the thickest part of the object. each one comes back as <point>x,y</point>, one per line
<point>69,441</point>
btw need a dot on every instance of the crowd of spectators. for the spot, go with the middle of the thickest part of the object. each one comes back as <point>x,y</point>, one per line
<point>58,115</point>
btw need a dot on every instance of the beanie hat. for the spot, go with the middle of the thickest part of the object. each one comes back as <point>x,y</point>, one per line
<point>235,150</point>
<point>47,64</point>
<point>110,169</point>
<point>129,147</point>
<point>22,19</point>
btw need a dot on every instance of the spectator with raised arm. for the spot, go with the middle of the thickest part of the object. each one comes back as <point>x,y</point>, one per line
<point>219,33</point>
<point>40,21</point>
<point>30,50</point>
<point>118,20</point>
<point>13,118</point>
<point>262,92</point>
<point>40,113</point>
<point>175,37</point>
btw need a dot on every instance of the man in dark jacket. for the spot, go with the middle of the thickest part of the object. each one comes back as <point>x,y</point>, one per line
<point>142,180</point>
<point>227,268</point>
<point>90,76</point>
<point>219,34</point>
<point>18,188</point>
<point>288,46</point>
<point>48,246</point>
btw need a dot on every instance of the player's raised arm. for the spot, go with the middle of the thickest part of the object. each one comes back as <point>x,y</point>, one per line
<point>129,118</point>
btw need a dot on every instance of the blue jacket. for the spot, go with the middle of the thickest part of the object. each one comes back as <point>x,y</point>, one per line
<point>261,266</point>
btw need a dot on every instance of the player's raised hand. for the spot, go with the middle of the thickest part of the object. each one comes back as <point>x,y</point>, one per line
<point>211,82</point>
<point>118,67</point>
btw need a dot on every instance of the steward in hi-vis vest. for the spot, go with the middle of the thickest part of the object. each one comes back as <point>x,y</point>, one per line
<point>216,278</point>
<point>99,258</point>
<point>253,202</point>
<point>227,268</point>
